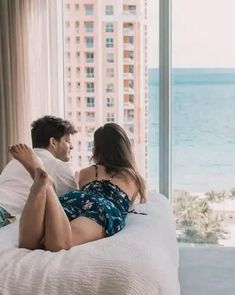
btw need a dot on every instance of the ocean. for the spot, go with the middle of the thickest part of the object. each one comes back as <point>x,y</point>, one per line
<point>203,129</point>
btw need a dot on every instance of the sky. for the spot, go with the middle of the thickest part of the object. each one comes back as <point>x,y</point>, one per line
<point>203,33</point>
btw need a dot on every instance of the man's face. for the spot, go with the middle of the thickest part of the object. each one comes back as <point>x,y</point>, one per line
<point>63,148</point>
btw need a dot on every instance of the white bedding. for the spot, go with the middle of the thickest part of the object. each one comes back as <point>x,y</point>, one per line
<point>141,259</point>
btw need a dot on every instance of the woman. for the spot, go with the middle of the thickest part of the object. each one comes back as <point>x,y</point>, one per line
<point>97,210</point>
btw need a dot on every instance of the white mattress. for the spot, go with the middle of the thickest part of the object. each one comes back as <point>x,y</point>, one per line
<point>141,259</point>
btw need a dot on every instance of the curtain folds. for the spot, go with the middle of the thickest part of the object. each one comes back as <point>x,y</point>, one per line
<point>25,79</point>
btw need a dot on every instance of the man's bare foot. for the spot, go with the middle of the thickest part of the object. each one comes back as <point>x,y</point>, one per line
<point>41,180</point>
<point>26,156</point>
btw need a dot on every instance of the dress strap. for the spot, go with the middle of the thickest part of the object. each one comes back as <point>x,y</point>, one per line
<point>96,171</point>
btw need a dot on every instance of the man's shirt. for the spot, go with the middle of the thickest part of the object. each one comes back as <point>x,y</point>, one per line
<point>15,181</point>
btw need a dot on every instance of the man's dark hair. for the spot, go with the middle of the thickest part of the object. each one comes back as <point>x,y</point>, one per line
<point>49,126</point>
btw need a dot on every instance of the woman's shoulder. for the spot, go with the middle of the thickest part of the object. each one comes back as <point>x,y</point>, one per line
<point>85,175</point>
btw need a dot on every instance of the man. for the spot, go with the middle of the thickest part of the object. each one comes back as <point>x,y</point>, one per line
<point>51,140</point>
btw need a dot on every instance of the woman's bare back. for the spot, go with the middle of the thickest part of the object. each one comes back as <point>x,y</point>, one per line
<point>124,181</point>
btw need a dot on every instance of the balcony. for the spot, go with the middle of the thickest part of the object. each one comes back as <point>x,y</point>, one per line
<point>128,46</point>
<point>128,61</point>
<point>128,90</point>
<point>128,31</point>
<point>128,105</point>
<point>128,76</point>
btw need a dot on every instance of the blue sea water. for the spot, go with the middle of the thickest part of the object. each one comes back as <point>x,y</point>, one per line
<point>203,124</point>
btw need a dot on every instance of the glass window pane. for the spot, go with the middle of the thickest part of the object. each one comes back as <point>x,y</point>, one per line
<point>203,121</point>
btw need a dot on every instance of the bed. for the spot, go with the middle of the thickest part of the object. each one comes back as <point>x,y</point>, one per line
<point>141,259</point>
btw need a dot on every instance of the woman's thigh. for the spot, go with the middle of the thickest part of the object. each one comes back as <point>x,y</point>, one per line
<point>85,230</point>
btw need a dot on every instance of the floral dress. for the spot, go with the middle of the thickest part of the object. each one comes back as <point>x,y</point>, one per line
<point>101,201</point>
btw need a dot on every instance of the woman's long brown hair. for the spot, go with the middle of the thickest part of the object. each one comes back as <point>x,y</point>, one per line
<point>112,149</point>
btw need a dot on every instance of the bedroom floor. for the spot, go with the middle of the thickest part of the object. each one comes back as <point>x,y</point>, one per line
<point>207,270</point>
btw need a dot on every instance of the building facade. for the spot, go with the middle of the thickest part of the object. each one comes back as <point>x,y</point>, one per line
<point>105,72</point>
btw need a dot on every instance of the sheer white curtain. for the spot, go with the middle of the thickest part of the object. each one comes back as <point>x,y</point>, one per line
<point>29,72</point>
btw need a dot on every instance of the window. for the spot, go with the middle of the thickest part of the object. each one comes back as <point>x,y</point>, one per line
<point>89,57</point>
<point>110,72</point>
<point>89,27</point>
<point>109,9</point>
<point>110,57</point>
<point>110,87</point>
<point>90,116</point>
<point>69,86</point>
<point>90,102</point>
<point>76,25</point>
<point>129,115</point>
<point>78,86</point>
<point>78,71</point>
<point>68,71</point>
<point>77,54</point>
<point>76,6</point>
<point>109,28</point>
<point>89,9</point>
<point>89,42</point>
<point>90,72</point>
<point>90,131</point>
<point>77,40</point>
<point>89,87</point>
<point>129,9</point>
<point>110,102</point>
<point>78,116</point>
<point>109,42</point>
<point>89,146</point>
<point>68,6</point>
<point>79,146</point>
<point>78,101</point>
<point>110,117</point>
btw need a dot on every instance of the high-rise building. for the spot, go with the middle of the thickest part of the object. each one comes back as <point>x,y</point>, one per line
<point>105,71</point>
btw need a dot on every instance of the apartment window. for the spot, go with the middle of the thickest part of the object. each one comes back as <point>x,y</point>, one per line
<point>109,42</point>
<point>129,115</point>
<point>77,40</point>
<point>78,86</point>
<point>110,117</point>
<point>69,86</point>
<point>68,72</point>
<point>90,131</point>
<point>89,9</point>
<point>110,87</point>
<point>68,6</point>
<point>76,25</point>
<point>90,102</point>
<point>76,6</point>
<point>78,71</point>
<point>89,42</point>
<point>77,54</point>
<point>89,27</point>
<point>109,9</point>
<point>69,115</point>
<point>110,102</point>
<point>129,40</point>
<point>110,72</point>
<point>79,146</point>
<point>109,28</point>
<point>78,101</point>
<point>89,57</point>
<point>89,87</point>
<point>89,146</point>
<point>129,9</point>
<point>78,116</point>
<point>90,72</point>
<point>110,57</point>
<point>90,116</point>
